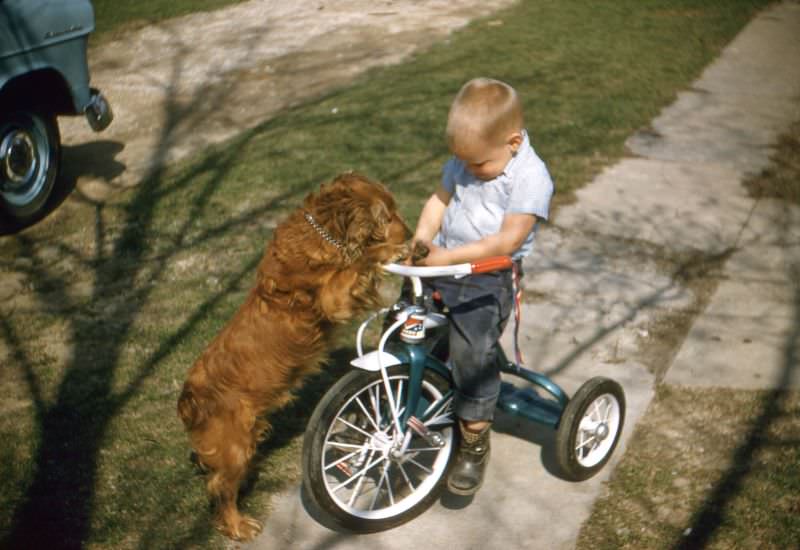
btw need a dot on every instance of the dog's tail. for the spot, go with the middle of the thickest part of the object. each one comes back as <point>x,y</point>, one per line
<point>192,409</point>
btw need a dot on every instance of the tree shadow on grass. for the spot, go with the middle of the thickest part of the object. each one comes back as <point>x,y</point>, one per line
<point>124,269</point>
<point>58,504</point>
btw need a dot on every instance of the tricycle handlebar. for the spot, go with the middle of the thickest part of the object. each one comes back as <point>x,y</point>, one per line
<point>486,265</point>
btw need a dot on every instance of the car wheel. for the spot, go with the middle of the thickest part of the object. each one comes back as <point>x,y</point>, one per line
<point>30,150</point>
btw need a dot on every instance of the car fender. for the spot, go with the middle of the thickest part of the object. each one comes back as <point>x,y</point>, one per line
<point>40,37</point>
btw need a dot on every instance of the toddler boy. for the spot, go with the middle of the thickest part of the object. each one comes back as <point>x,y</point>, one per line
<point>494,190</point>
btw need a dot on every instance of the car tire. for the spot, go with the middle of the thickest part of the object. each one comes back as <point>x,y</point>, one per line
<point>30,153</point>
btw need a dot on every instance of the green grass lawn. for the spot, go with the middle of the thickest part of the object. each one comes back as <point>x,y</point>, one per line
<point>705,468</point>
<point>115,300</point>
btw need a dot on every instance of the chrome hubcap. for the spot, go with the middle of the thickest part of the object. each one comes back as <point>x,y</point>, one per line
<point>18,156</point>
<point>597,430</point>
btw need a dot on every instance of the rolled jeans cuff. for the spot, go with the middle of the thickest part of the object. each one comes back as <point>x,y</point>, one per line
<point>475,409</point>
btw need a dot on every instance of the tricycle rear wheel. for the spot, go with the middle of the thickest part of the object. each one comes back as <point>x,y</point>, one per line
<point>590,427</point>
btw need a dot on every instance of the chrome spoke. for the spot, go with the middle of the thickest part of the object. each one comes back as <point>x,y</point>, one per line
<point>420,466</point>
<point>366,414</point>
<point>375,399</point>
<point>585,442</point>
<point>443,415</point>
<point>340,460</point>
<point>353,426</point>
<point>390,492</point>
<point>341,445</point>
<point>405,476</point>
<point>607,414</point>
<point>359,485</point>
<point>597,412</point>
<point>358,475</point>
<point>399,393</point>
<point>384,477</point>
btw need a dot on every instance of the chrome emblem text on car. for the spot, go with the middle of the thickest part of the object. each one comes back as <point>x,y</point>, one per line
<point>73,28</point>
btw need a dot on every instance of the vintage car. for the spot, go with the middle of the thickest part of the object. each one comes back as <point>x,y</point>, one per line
<point>43,74</point>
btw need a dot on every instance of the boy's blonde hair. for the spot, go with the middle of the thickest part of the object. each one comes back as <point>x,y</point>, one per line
<point>486,109</point>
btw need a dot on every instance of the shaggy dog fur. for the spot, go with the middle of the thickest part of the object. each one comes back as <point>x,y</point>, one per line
<point>321,268</point>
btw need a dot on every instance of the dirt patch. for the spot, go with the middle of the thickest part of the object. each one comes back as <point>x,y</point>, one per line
<point>180,86</point>
<point>779,180</point>
<point>659,342</point>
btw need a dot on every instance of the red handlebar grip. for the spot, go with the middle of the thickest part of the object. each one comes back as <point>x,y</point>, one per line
<point>495,263</point>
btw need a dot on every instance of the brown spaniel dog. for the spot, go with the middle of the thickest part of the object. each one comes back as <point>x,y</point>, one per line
<point>322,267</point>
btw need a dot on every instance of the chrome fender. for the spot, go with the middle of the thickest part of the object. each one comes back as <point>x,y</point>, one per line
<point>374,360</point>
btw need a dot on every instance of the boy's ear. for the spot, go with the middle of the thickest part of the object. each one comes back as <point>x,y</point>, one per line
<point>515,141</point>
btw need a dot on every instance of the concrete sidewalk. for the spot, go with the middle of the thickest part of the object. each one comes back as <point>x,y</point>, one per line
<point>601,278</point>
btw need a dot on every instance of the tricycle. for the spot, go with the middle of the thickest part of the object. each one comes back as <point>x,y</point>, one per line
<point>381,441</point>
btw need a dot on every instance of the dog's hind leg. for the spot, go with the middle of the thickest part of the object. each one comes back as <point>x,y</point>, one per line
<point>223,486</point>
<point>228,467</point>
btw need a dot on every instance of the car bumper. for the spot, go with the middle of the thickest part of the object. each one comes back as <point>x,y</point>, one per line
<point>98,112</point>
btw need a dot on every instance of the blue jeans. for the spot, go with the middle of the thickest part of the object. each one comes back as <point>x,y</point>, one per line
<point>479,307</point>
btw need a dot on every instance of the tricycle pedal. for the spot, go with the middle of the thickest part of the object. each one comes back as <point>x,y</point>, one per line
<point>433,439</point>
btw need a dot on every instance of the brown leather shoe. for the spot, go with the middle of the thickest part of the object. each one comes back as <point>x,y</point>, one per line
<point>466,477</point>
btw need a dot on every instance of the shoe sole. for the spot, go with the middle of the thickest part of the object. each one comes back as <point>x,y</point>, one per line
<point>464,492</point>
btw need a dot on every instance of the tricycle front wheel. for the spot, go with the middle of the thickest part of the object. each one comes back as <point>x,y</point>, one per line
<point>354,464</point>
<point>590,428</point>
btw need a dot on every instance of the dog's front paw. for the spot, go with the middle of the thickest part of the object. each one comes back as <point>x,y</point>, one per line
<point>419,252</point>
<point>410,250</point>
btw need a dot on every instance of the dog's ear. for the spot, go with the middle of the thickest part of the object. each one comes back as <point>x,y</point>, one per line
<point>359,230</point>
<point>367,225</point>
<point>380,212</point>
<point>364,220</point>
<point>367,222</point>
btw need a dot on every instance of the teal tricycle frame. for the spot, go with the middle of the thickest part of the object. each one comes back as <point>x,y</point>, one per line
<point>380,442</point>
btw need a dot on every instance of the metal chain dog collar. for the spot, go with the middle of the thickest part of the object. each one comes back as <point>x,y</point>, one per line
<point>328,237</point>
